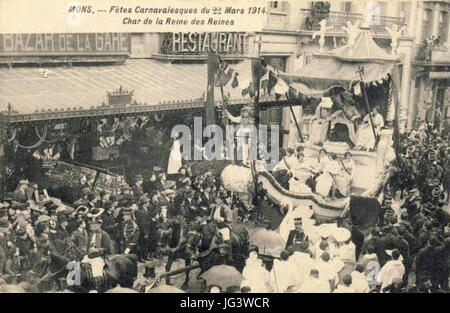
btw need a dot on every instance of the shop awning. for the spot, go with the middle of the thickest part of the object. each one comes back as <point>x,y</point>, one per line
<point>83,89</point>
<point>439,75</point>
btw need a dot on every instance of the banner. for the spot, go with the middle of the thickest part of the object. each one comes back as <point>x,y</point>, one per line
<point>65,44</point>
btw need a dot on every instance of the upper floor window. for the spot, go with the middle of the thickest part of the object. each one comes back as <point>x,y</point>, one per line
<point>443,26</point>
<point>347,7</point>
<point>277,6</point>
<point>427,23</point>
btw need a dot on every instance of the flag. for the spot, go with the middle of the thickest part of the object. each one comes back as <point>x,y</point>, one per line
<point>271,82</point>
<point>259,69</point>
<point>210,112</point>
<point>224,74</point>
<point>292,93</point>
<point>281,87</point>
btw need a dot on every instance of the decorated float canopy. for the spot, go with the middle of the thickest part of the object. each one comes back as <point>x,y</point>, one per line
<point>341,66</point>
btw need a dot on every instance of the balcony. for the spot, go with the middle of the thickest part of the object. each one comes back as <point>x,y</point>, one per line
<point>311,19</point>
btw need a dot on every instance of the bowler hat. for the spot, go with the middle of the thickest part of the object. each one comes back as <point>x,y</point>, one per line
<point>138,178</point>
<point>107,204</point>
<point>144,199</point>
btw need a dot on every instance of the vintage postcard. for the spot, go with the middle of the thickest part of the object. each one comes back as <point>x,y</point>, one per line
<point>224,147</point>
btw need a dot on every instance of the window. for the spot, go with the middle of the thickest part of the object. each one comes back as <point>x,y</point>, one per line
<point>427,23</point>
<point>347,7</point>
<point>443,26</point>
<point>277,6</point>
<point>273,4</point>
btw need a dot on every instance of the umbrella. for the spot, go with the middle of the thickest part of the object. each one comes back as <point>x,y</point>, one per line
<point>165,289</point>
<point>268,242</point>
<point>121,290</point>
<point>223,276</point>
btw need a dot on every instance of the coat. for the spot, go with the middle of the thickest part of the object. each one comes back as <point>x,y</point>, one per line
<point>102,242</point>
<point>81,240</point>
<point>109,226</point>
<point>390,272</point>
<point>129,236</point>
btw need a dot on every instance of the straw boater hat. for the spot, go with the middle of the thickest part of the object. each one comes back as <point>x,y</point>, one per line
<point>82,210</point>
<point>437,191</point>
<point>341,234</point>
<point>23,182</point>
<point>95,212</point>
<point>43,218</point>
<point>324,230</point>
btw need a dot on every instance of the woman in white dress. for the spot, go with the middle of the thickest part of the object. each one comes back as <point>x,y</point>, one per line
<point>326,180</point>
<point>319,124</point>
<point>345,177</point>
<point>301,172</point>
<point>175,158</point>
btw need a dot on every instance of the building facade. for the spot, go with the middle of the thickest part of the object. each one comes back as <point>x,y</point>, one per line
<point>287,41</point>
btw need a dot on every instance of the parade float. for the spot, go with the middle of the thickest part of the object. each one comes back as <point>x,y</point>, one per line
<point>365,70</point>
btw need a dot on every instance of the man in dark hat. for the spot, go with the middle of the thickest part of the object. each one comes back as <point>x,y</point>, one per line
<point>125,192</point>
<point>61,233</point>
<point>92,200</point>
<point>387,213</point>
<point>109,225</point>
<point>129,232</point>
<point>137,189</point>
<point>83,200</point>
<point>150,184</point>
<point>143,220</point>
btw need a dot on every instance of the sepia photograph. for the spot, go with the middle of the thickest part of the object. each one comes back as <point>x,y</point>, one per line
<point>226,147</point>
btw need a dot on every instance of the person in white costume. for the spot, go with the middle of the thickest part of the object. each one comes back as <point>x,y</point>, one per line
<point>255,275</point>
<point>319,124</point>
<point>301,172</point>
<point>365,138</point>
<point>175,159</point>
<point>314,284</point>
<point>345,177</point>
<point>325,181</point>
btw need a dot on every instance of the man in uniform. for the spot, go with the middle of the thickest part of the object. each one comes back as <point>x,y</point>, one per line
<point>129,232</point>
<point>137,187</point>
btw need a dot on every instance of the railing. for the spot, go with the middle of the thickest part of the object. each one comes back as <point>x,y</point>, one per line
<point>337,20</point>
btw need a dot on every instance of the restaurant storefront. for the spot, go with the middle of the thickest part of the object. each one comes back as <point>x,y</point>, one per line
<point>83,100</point>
